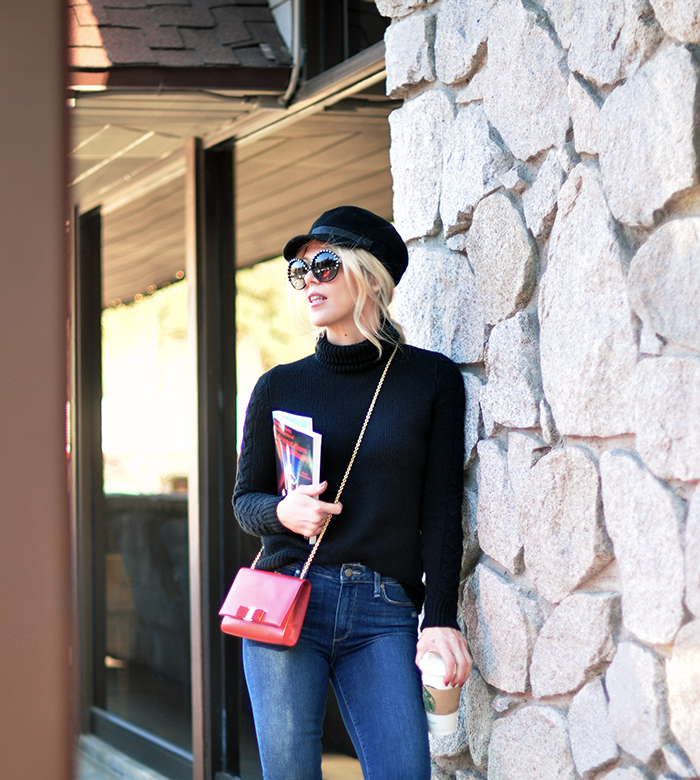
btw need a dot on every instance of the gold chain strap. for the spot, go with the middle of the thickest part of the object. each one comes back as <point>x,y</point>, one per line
<point>347,470</point>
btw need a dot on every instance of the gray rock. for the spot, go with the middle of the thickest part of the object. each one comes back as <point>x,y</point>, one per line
<point>626,773</point>
<point>516,179</point>
<point>408,45</point>
<point>417,133</point>
<point>480,715</point>
<point>397,9</point>
<point>667,413</point>
<point>470,542</point>
<point>575,641</point>
<point>643,518</point>
<point>588,342</point>
<point>561,15</point>
<point>497,515</point>
<point>636,685</point>
<point>657,122</point>
<point>611,40</point>
<point>506,701</point>
<point>460,41</point>
<point>502,623</point>
<point>679,18</point>
<point>549,428</point>
<point>692,555</point>
<point>531,744</point>
<point>585,109</point>
<point>472,391</point>
<point>440,306</point>
<point>512,394</point>
<point>468,774</point>
<point>540,200</point>
<point>503,256</point>
<point>524,81</point>
<point>560,522</point>
<point>524,450</point>
<point>473,162</point>
<point>664,282</point>
<point>590,732</point>
<point>677,761</point>
<point>649,342</point>
<point>683,674</point>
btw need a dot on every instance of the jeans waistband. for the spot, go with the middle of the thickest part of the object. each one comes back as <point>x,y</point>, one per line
<point>345,573</point>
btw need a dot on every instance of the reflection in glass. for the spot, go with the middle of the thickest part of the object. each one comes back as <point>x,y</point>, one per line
<point>146,449</point>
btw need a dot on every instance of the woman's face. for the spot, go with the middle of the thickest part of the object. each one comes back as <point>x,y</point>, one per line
<point>331,305</point>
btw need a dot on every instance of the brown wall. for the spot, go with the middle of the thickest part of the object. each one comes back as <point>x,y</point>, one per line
<point>35,712</point>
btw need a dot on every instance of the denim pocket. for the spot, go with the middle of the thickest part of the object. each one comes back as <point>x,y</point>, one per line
<point>394,594</point>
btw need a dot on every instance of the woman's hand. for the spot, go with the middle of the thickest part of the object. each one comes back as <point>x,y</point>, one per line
<point>301,512</point>
<point>453,649</point>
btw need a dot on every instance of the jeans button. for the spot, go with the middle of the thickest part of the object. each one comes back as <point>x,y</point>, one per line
<point>349,572</point>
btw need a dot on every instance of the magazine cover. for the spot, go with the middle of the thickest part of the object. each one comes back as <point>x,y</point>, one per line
<point>298,449</point>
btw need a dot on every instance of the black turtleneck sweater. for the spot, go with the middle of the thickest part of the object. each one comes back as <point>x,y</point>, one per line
<point>402,502</point>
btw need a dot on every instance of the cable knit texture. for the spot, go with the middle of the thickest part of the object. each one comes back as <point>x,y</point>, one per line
<point>402,502</point>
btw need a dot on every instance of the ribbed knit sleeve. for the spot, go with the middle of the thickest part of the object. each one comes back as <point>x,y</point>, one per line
<point>441,512</point>
<point>255,498</point>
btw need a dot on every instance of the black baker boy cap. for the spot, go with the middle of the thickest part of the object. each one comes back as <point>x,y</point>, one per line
<point>352,227</point>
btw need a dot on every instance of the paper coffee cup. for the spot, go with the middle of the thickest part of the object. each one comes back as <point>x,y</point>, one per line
<point>441,701</point>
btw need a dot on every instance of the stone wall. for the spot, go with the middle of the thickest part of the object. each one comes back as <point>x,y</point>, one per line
<point>545,166</point>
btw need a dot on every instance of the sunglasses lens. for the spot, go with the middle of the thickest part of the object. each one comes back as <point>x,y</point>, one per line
<point>325,266</point>
<point>296,271</point>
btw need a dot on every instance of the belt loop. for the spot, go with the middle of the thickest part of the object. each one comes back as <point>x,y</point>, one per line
<point>377,584</point>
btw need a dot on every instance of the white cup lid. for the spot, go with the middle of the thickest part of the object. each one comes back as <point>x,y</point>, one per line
<point>432,663</point>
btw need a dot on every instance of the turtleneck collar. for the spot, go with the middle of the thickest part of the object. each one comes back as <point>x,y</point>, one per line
<point>352,358</point>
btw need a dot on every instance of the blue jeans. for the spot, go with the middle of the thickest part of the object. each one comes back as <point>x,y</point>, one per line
<point>360,632</point>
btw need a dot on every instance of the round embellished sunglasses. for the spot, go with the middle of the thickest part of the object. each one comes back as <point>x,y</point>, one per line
<point>324,266</point>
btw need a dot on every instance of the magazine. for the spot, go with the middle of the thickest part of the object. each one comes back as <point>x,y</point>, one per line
<point>298,450</point>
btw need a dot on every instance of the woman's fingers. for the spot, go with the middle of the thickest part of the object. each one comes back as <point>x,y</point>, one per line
<point>301,512</point>
<point>452,647</point>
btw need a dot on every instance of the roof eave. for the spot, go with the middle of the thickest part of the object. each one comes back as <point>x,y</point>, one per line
<point>259,81</point>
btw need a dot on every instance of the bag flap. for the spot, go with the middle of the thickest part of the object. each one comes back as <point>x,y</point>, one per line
<point>254,590</point>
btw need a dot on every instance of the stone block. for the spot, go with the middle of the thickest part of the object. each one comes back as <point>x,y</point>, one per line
<point>667,414</point>
<point>576,640</point>
<point>460,39</point>
<point>512,394</point>
<point>472,391</point>
<point>409,50</point>
<point>664,282</point>
<point>636,686</point>
<point>561,15</point>
<point>652,114</point>
<point>439,305</point>
<point>549,428</point>
<point>590,732</point>
<point>611,40</point>
<point>679,18</point>
<point>643,518</point>
<point>503,256</point>
<point>502,623</point>
<point>683,674</point>
<point>540,201</point>
<point>397,9</point>
<point>524,450</point>
<point>585,109</point>
<point>497,515</point>
<point>531,744</point>
<point>480,716</point>
<point>561,523</point>
<point>417,133</point>
<point>678,762</point>
<point>470,541</point>
<point>692,555</point>
<point>473,162</point>
<point>626,773</point>
<point>588,341</point>
<point>524,81</point>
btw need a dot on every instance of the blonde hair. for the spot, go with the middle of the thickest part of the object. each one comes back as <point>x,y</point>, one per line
<point>369,282</point>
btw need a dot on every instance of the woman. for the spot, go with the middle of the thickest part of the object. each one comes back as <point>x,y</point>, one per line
<point>399,517</point>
